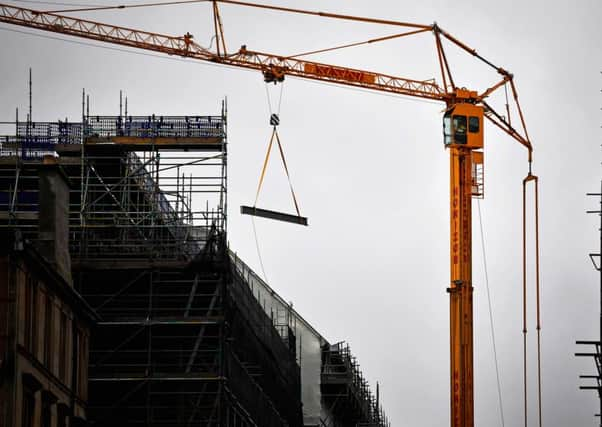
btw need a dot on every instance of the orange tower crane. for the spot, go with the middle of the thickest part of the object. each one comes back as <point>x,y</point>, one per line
<point>462,127</point>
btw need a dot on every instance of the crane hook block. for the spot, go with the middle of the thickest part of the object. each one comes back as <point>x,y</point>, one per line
<point>273,74</point>
<point>274,120</point>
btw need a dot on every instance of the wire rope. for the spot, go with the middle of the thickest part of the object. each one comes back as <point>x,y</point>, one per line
<point>257,247</point>
<point>497,371</point>
<point>254,5</point>
<point>265,276</point>
<point>267,95</point>
<point>365,42</point>
<point>60,3</point>
<point>280,99</point>
<point>127,6</point>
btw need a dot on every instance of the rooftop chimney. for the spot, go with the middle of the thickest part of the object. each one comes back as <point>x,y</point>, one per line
<point>53,224</point>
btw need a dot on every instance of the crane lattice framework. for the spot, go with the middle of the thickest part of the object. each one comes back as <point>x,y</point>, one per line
<point>463,130</point>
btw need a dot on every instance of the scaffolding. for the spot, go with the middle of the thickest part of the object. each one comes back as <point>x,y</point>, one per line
<point>133,182</point>
<point>185,346</point>
<point>345,396</point>
<point>181,340</point>
<point>346,392</point>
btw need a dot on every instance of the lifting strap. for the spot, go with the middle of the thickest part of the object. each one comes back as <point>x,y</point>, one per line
<point>253,210</point>
<point>274,119</point>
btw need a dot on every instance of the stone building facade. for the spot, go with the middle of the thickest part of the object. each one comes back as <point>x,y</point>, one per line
<point>44,322</point>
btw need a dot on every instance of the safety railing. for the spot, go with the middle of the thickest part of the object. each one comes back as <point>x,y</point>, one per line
<point>33,140</point>
<point>155,126</point>
<point>37,139</point>
<point>26,147</point>
<point>57,132</point>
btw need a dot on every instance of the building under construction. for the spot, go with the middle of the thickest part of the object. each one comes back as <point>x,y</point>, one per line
<point>183,332</point>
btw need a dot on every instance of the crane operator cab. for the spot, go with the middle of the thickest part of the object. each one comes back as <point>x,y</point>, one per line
<point>463,125</point>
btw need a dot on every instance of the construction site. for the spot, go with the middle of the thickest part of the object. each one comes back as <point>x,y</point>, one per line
<point>181,337</point>
<point>134,284</point>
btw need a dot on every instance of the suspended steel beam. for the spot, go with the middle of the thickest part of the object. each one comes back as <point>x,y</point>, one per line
<point>278,216</point>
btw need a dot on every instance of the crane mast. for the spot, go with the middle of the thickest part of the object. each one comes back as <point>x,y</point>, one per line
<point>460,290</point>
<point>463,137</point>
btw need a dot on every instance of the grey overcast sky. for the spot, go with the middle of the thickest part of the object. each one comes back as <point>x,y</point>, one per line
<point>371,173</point>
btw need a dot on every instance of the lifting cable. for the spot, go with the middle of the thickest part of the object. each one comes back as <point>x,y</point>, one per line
<point>530,177</point>
<point>365,42</point>
<point>265,276</point>
<point>497,371</point>
<point>254,211</point>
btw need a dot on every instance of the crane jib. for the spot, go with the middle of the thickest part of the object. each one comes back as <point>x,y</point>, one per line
<point>339,73</point>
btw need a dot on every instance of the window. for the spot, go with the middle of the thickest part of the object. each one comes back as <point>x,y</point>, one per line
<point>48,335</point>
<point>62,412</point>
<point>46,413</point>
<point>473,124</point>
<point>61,421</point>
<point>62,351</point>
<point>30,327</point>
<point>82,367</point>
<point>447,129</point>
<point>34,319</point>
<point>27,294</point>
<point>28,409</point>
<point>459,126</point>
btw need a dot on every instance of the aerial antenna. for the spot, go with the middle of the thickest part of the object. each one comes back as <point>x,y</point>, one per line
<point>30,116</point>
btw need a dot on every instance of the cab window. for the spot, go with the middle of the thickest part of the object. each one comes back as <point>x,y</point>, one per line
<point>473,124</point>
<point>459,126</point>
<point>447,132</point>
